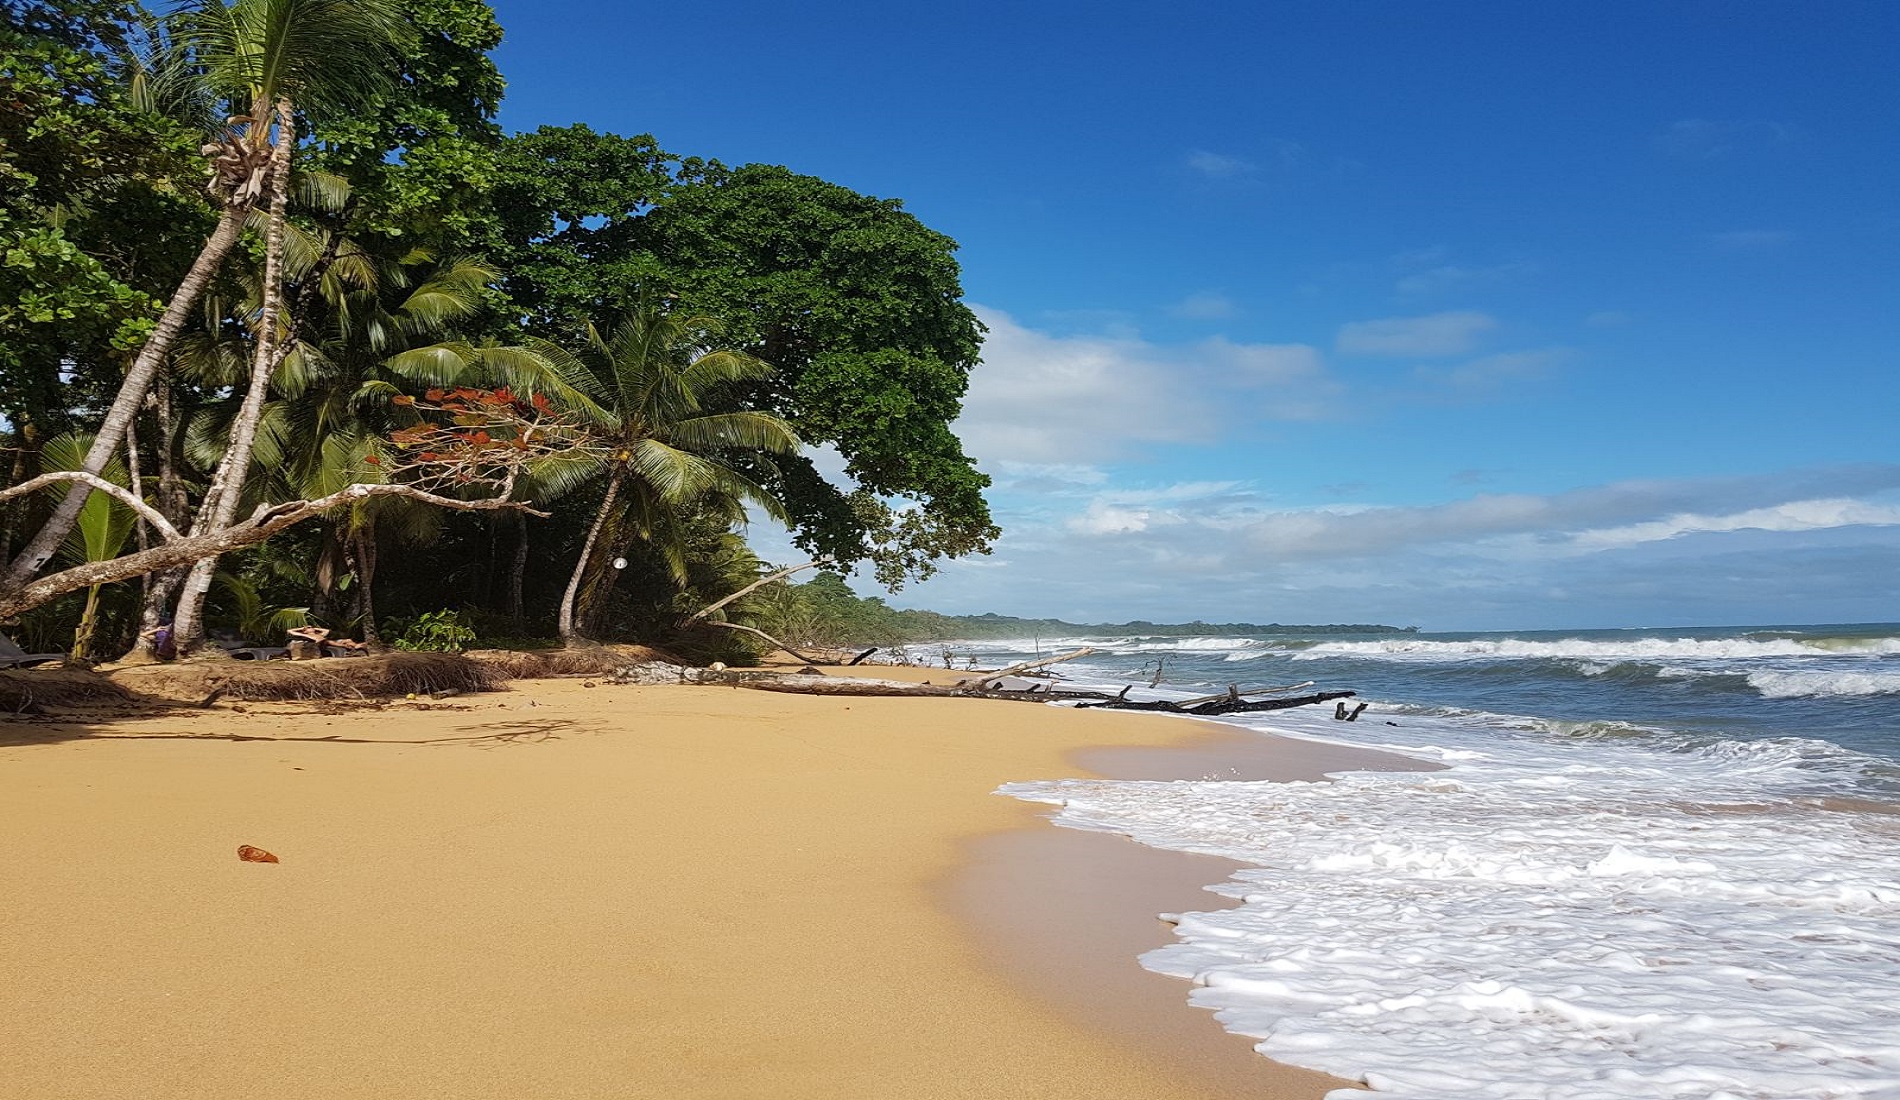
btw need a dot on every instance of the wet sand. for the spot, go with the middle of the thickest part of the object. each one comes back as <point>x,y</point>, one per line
<point>553,892</point>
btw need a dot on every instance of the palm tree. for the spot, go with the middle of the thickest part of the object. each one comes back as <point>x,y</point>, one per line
<point>644,388</point>
<point>101,533</point>
<point>265,59</point>
<point>270,55</point>
<point>367,329</point>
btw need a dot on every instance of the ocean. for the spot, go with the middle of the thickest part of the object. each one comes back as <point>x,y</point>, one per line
<point>1656,863</point>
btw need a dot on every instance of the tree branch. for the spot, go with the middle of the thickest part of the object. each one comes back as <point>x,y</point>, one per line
<point>119,493</point>
<point>184,550</point>
<point>748,589</point>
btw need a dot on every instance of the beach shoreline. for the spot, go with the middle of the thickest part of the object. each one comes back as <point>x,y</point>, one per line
<point>559,890</point>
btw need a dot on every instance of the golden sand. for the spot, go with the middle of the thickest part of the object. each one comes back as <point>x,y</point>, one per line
<point>558,891</point>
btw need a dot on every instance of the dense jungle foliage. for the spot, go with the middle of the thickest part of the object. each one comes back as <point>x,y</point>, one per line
<point>250,246</point>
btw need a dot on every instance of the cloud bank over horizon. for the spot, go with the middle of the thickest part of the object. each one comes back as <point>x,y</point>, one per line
<point>1137,479</point>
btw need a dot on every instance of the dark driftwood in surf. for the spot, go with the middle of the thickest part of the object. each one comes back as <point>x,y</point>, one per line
<point>1224,704</point>
<point>1233,692</point>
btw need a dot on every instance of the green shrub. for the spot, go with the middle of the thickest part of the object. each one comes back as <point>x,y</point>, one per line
<point>436,632</point>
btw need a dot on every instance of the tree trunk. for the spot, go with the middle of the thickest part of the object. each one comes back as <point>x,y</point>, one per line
<point>160,586</point>
<point>518,576</point>
<point>132,393</point>
<point>592,602</point>
<point>88,623</point>
<point>227,487</point>
<point>568,633</point>
<point>365,540</point>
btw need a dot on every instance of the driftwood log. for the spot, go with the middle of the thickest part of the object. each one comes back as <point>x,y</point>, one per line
<point>1025,666</point>
<point>846,685</point>
<point>1223,704</point>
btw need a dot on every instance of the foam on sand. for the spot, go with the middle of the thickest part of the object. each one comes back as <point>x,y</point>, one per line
<point>1536,923</point>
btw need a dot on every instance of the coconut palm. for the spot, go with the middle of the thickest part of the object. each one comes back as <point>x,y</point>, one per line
<point>646,390</point>
<point>101,533</point>
<point>368,329</point>
<point>269,56</point>
<point>263,60</point>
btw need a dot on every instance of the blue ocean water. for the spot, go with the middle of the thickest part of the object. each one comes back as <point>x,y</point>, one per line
<point>1655,863</point>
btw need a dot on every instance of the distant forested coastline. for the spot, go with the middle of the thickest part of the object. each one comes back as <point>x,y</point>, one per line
<point>825,611</point>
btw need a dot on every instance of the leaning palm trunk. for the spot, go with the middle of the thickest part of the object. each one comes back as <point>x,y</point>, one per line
<point>227,487</point>
<point>132,392</point>
<point>568,633</point>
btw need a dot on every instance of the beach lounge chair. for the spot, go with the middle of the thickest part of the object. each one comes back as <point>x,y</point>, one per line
<point>12,656</point>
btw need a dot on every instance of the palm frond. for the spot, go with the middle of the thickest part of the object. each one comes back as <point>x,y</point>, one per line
<point>745,431</point>
<point>435,365</point>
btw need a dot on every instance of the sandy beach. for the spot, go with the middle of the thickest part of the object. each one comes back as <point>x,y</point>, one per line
<point>573,891</point>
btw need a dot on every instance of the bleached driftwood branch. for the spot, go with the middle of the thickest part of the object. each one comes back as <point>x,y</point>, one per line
<point>1026,666</point>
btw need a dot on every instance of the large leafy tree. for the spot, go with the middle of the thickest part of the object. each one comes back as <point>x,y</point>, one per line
<point>101,209</point>
<point>853,301</point>
<point>858,307</point>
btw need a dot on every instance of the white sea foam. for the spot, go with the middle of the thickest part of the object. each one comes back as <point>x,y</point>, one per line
<point>1794,683</point>
<point>1542,920</point>
<point>1600,652</point>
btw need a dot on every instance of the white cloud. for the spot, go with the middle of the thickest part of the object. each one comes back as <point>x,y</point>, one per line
<point>1105,519</point>
<point>1764,548</point>
<point>1799,515</point>
<point>1204,306</point>
<point>1433,335</point>
<point>1220,166</point>
<point>1043,399</point>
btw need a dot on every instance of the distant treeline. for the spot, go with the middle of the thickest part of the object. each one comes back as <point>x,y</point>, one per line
<point>826,611</point>
<point>991,625</point>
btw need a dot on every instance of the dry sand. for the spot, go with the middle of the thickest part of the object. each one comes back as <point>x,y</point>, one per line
<point>563,891</point>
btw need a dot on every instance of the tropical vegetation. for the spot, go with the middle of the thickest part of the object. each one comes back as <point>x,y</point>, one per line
<point>291,330</point>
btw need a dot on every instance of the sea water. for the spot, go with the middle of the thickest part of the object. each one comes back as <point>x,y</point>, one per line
<point>1656,863</point>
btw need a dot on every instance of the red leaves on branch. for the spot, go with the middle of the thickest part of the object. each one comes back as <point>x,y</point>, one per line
<point>467,436</point>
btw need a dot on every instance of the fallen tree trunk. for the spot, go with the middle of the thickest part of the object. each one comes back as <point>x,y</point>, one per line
<point>1026,666</point>
<point>841,685</point>
<point>1233,692</point>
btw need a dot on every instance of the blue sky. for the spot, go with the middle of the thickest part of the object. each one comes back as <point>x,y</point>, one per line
<point>1467,315</point>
